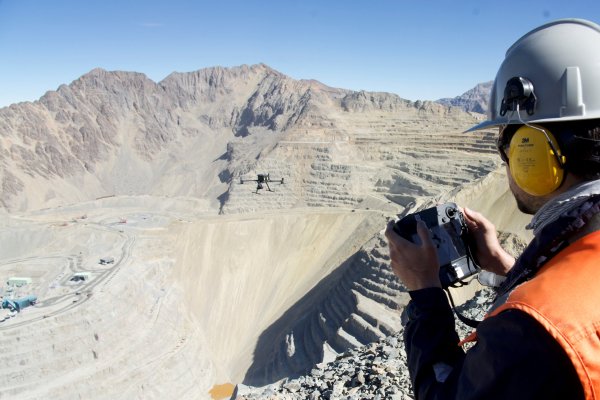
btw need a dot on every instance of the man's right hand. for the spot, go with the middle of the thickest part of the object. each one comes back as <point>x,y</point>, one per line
<point>490,254</point>
<point>416,265</point>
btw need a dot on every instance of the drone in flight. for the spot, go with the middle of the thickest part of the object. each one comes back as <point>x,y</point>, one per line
<point>261,180</point>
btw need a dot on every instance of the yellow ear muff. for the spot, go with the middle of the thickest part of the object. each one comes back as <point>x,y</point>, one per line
<point>533,164</point>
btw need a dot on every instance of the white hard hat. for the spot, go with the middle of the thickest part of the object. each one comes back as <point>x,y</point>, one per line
<point>551,74</point>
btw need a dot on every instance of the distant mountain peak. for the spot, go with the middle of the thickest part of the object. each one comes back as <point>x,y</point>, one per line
<point>474,100</point>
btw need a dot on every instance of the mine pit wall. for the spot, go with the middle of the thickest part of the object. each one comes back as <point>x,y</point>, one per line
<point>357,304</point>
<point>242,274</point>
<point>274,294</point>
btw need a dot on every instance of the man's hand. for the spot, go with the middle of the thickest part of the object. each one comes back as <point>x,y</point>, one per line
<point>490,254</point>
<point>415,265</point>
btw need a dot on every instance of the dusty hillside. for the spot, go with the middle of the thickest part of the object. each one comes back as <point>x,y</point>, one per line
<point>376,368</point>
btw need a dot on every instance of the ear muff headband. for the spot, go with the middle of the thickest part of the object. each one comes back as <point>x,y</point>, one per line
<point>535,160</point>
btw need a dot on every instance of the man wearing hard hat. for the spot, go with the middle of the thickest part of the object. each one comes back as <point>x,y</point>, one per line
<point>541,339</point>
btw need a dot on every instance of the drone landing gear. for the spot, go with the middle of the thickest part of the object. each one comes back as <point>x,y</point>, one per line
<point>260,186</point>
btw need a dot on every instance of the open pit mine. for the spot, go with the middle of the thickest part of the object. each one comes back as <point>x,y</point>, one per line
<point>142,259</point>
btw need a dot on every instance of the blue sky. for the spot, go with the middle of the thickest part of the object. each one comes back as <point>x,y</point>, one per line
<point>417,49</point>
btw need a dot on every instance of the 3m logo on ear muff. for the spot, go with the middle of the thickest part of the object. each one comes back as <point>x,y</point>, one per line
<point>535,160</point>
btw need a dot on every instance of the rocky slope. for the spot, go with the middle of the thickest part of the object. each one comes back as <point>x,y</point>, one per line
<point>376,371</point>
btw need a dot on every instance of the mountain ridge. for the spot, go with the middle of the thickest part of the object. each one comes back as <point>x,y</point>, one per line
<point>474,100</point>
<point>75,133</point>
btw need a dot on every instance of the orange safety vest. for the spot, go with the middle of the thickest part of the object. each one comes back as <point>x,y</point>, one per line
<point>564,296</point>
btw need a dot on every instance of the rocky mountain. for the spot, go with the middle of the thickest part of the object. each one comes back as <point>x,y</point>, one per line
<point>474,100</point>
<point>120,133</point>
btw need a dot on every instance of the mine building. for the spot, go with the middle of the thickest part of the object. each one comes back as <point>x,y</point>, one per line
<point>17,281</point>
<point>19,304</point>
